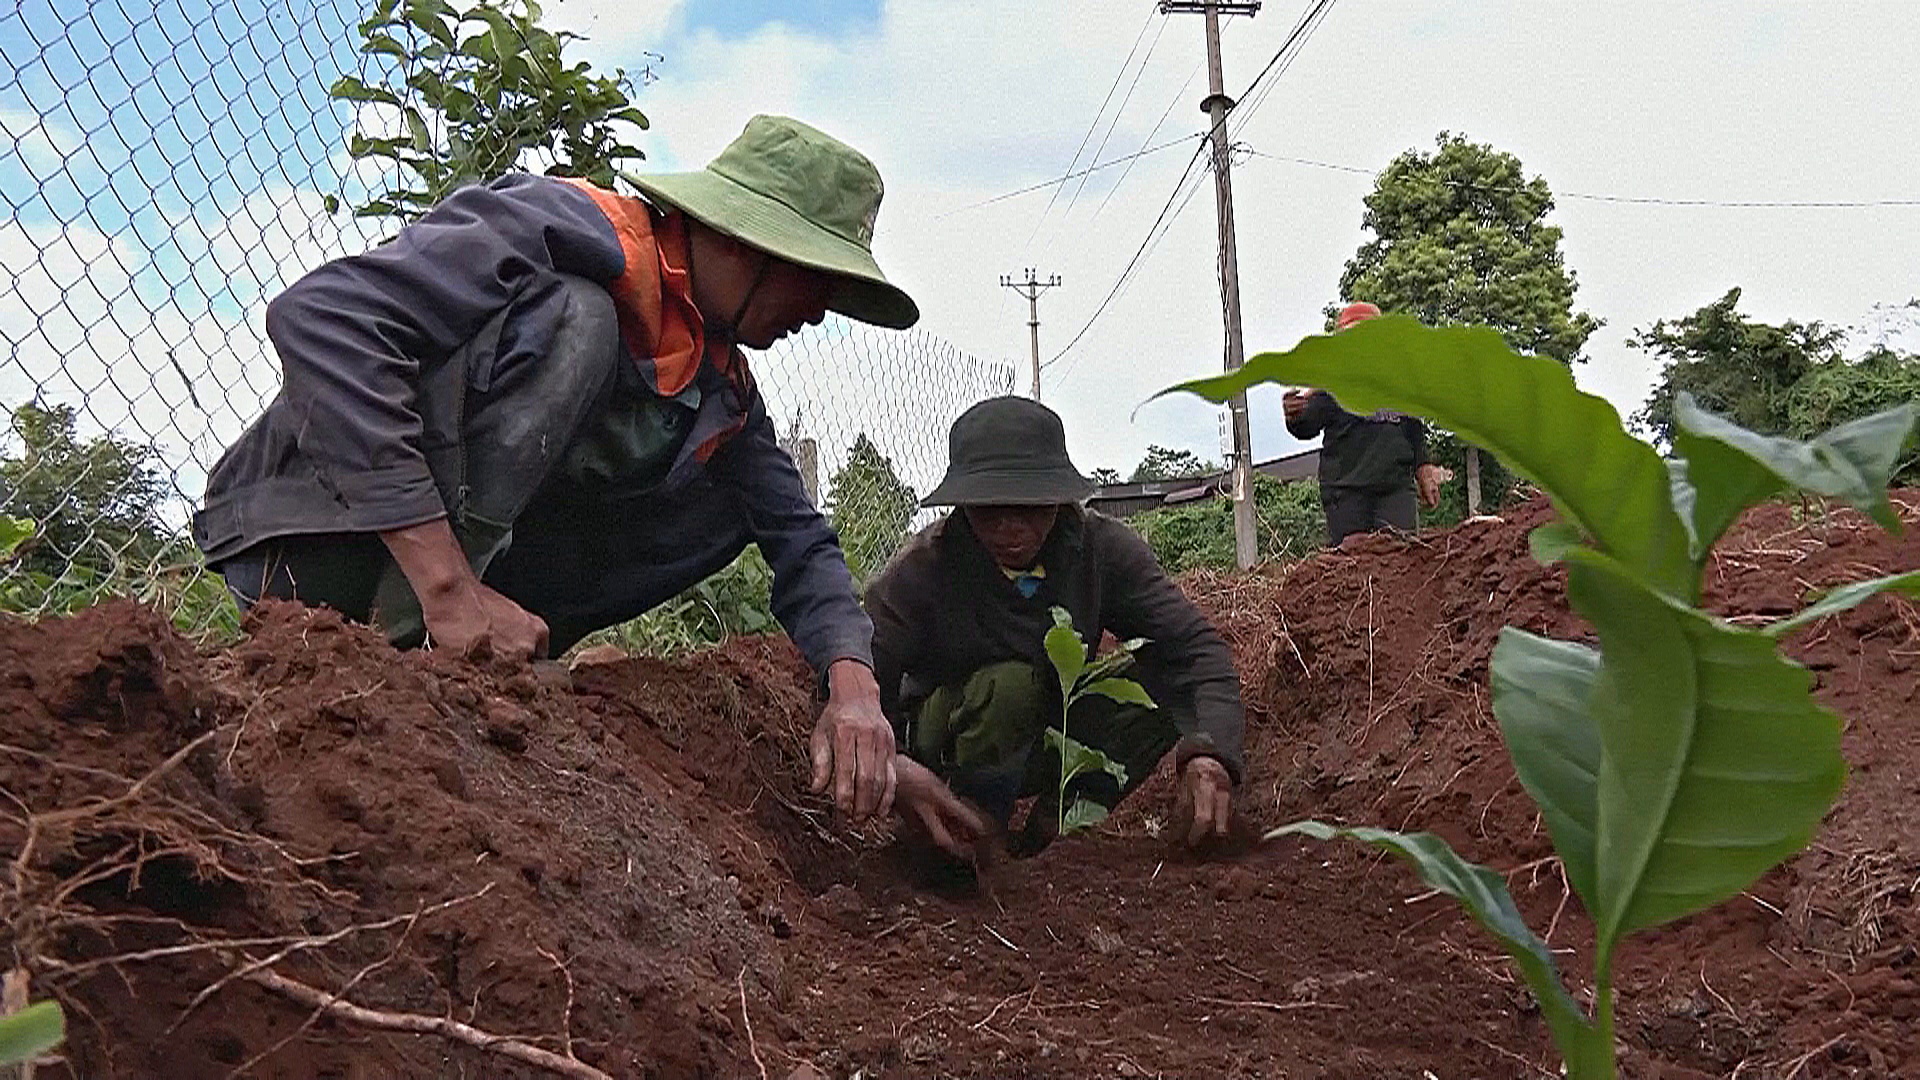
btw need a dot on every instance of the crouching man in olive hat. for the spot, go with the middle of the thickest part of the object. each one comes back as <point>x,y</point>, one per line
<point>529,417</point>
<point>960,618</point>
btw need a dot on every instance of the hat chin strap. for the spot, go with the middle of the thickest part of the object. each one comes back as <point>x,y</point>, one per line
<point>728,331</point>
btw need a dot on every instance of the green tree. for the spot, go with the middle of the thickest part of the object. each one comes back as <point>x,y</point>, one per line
<point>94,503</point>
<point>471,92</point>
<point>1842,390</point>
<point>1460,236</point>
<point>1163,463</point>
<point>1105,477</point>
<point>1733,366</point>
<point>1287,517</point>
<point>870,507</point>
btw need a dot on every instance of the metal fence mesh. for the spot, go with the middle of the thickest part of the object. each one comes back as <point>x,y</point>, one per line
<point>165,169</point>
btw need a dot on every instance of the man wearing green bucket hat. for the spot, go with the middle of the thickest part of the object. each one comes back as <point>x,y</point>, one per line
<point>960,617</point>
<point>528,417</point>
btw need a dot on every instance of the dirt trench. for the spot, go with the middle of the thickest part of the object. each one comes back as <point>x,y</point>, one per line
<point>622,867</point>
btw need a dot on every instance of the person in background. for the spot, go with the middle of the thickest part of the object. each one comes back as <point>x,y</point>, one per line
<point>1372,468</point>
<point>528,417</point>
<point>960,617</point>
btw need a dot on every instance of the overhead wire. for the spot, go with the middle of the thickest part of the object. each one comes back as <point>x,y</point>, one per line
<point>1158,124</point>
<point>1126,159</point>
<point>1115,121</point>
<point>1638,200</point>
<point>1095,122</point>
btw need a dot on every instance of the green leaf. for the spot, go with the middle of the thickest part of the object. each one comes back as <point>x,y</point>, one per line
<point>1843,598</point>
<point>384,45</point>
<point>352,89</point>
<point>1525,409</point>
<point>331,203</point>
<point>1124,691</point>
<point>1730,468</point>
<point>631,116</point>
<point>1068,653</point>
<point>1550,542</point>
<point>13,532</point>
<point>1083,814</point>
<point>31,1032</point>
<point>1540,692</point>
<point>1077,757</point>
<point>417,126</point>
<point>1716,763</point>
<point>1484,893</point>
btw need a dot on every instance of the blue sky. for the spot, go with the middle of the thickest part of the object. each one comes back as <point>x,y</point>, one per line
<point>741,17</point>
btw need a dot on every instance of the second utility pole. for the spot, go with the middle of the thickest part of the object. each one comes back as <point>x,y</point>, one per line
<point>1031,289</point>
<point>1245,541</point>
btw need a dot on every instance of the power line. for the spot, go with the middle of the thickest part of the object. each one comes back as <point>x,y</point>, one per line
<point>1638,200</point>
<point>1117,76</point>
<point>1158,124</point>
<point>1031,188</point>
<point>1291,49</point>
<point>1115,122</point>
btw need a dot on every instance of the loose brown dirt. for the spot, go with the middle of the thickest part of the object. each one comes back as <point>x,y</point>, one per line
<point>624,865</point>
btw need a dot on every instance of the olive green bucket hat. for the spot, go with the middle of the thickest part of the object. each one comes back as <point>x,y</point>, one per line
<point>1009,451</point>
<point>802,196</point>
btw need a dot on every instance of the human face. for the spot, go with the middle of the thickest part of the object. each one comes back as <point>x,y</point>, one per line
<point>779,297</point>
<point>1013,535</point>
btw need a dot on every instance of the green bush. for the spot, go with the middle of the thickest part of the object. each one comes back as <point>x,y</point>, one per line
<point>1288,521</point>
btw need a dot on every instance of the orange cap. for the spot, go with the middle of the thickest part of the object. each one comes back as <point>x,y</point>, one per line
<point>1355,313</point>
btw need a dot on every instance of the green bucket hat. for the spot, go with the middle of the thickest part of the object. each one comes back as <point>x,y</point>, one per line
<point>802,196</point>
<point>1009,451</point>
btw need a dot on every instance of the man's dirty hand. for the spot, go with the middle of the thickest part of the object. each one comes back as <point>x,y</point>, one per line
<point>1203,811</point>
<point>950,822</point>
<point>1426,483</point>
<point>1293,403</point>
<point>481,620</point>
<point>853,744</point>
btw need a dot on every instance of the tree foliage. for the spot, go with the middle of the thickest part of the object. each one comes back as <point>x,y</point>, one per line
<point>1105,477</point>
<point>870,507</point>
<point>94,503</point>
<point>1164,463</point>
<point>470,92</point>
<point>1460,238</point>
<point>1732,365</point>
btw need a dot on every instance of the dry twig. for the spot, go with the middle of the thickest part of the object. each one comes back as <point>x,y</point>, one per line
<point>753,1045</point>
<point>347,1011</point>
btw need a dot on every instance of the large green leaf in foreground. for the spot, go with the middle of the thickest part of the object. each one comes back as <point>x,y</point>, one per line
<point>1540,692</point>
<point>1729,468</point>
<point>1716,762</point>
<point>1485,895</point>
<point>1524,409</point>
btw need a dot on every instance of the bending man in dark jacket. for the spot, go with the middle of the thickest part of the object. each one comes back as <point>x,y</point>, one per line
<point>1371,467</point>
<point>527,418</point>
<point>959,621</point>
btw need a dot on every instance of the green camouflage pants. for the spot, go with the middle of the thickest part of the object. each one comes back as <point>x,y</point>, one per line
<point>987,738</point>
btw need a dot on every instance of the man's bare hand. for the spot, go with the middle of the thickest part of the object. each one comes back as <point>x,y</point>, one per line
<point>1294,402</point>
<point>853,744</point>
<point>1204,804</point>
<point>951,823</point>
<point>477,619</point>
<point>461,614</point>
<point>1426,483</point>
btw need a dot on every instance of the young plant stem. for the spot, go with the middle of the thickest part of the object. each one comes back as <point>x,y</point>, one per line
<point>1608,1065</point>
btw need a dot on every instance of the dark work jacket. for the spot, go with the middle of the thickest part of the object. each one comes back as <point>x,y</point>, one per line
<point>1377,452</point>
<point>349,444</point>
<point>942,610</point>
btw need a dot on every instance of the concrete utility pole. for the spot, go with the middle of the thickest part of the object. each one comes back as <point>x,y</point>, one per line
<point>1245,540</point>
<point>1031,289</point>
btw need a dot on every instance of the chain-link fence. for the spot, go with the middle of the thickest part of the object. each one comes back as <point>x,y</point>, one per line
<point>166,167</point>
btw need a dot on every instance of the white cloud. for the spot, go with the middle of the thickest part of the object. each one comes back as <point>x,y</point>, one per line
<point>42,143</point>
<point>1714,100</point>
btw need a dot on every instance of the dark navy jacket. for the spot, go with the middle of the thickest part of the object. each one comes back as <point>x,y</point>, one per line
<point>345,446</point>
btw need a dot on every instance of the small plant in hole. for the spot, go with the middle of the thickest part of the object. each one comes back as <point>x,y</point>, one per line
<point>32,1031</point>
<point>1081,678</point>
<point>1685,756</point>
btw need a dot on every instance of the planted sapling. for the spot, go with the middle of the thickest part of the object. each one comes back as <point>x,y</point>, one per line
<point>1080,678</point>
<point>1686,756</point>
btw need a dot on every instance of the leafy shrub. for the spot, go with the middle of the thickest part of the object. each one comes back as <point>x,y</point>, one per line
<point>1288,521</point>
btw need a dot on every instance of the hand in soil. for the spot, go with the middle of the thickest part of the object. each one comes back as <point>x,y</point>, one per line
<point>1203,810</point>
<point>479,620</point>
<point>949,822</point>
<point>1426,483</point>
<point>853,744</point>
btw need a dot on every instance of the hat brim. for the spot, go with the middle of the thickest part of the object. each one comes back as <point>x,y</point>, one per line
<point>862,292</point>
<point>1011,487</point>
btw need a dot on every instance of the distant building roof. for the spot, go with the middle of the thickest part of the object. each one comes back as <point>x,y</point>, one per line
<point>1126,500</point>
